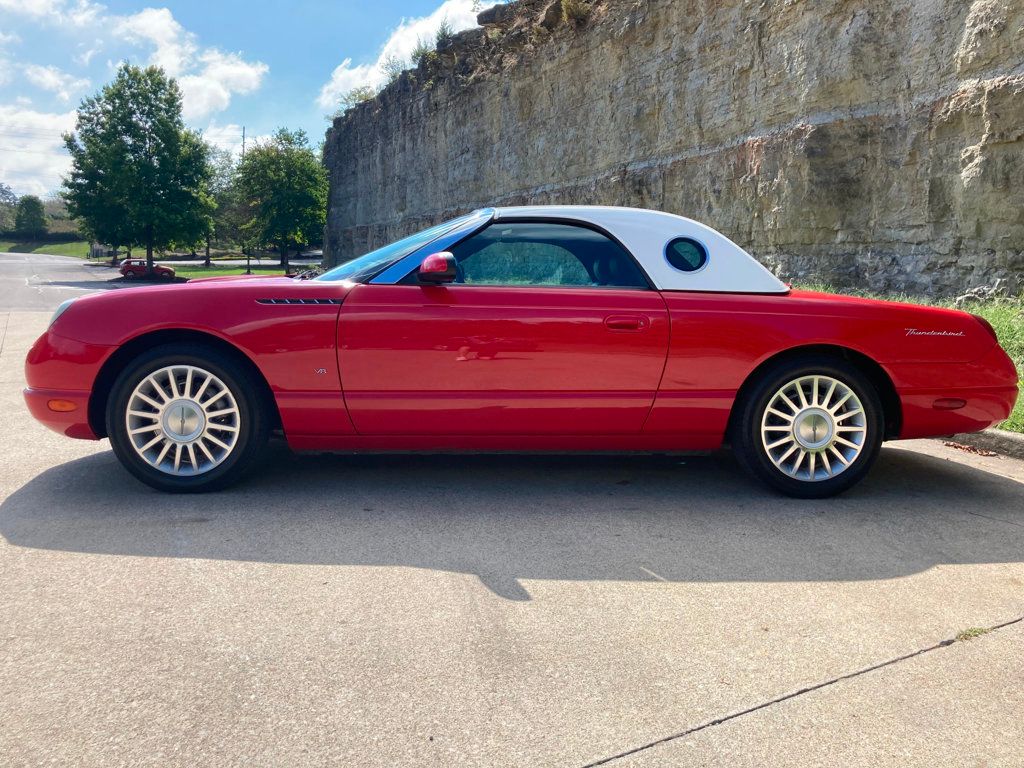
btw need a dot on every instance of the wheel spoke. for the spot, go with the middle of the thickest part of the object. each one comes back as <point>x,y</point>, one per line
<point>149,400</point>
<point>216,441</point>
<point>202,388</point>
<point>205,450</point>
<point>221,412</point>
<point>788,453</point>
<point>172,381</point>
<point>159,390</point>
<point>192,456</point>
<point>151,443</point>
<point>812,460</point>
<point>213,399</point>
<point>163,452</point>
<point>826,462</point>
<point>848,414</point>
<point>814,398</point>
<point>223,427</point>
<point>842,400</point>
<point>799,460</point>
<point>780,414</point>
<point>828,395</point>
<point>839,455</point>
<point>142,430</point>
<point>188,383</point>
<point>177,457</point>
<point>780,442</point>
<point>795,408</point>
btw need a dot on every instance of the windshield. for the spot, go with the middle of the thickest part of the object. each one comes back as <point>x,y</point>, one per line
<point>369,264</point>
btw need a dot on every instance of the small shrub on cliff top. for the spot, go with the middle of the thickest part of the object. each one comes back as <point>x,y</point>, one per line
<point>421,51</point>
<point>575,10</point>
<point>392,67</point>
<point>357,96</point>
<point>444,33</point>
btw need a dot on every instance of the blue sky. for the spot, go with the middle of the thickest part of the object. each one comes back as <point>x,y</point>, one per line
<point>238,63</point>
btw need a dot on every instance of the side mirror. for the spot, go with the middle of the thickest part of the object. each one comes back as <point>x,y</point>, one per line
<point>438,268</point>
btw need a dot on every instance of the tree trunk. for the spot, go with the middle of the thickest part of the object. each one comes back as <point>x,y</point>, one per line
<point>207,262</point>
<point>149,250</point>
<point>113,257</point>
<point>284,255</point>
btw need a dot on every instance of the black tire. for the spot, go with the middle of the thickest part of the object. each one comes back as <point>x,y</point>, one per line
<point>253,417</point>
<point>129,275</point>
<point>749,447</point>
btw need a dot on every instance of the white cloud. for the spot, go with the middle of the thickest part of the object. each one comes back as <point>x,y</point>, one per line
<point>8,38</point>
<point>78,13</point>
<point>222,75</point>
<point>208,78</point>
<point>174,46</point>
<point>34,158</point>
<point>460,14</point>
<point>54,80</point>
<point>87,52</point>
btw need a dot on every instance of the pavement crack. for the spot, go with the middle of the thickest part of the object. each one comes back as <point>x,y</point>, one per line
<point>794,694</point>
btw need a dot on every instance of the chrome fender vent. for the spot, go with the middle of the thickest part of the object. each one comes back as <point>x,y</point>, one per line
<point>298,301</point>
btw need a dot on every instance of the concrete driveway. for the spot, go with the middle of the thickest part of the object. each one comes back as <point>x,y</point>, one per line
<point>513,611</point>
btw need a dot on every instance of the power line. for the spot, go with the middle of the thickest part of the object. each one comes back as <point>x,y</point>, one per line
<point>51,153</point>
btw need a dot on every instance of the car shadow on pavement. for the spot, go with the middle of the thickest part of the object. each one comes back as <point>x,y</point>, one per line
<point>511,518</point>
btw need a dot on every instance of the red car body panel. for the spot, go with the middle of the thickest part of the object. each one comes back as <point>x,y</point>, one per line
<point>496,360</point>
<point>489,368</point>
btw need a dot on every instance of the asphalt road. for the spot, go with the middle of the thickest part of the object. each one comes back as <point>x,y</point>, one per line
<point>512,611</point>
<point>34,281</point>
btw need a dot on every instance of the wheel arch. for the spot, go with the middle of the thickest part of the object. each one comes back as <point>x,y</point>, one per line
<point>892,408</point>
<point>132,348</point>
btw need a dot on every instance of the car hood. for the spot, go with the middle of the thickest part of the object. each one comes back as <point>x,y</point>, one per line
<point>218,305</point>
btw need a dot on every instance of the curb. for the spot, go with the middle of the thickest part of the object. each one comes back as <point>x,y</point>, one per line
<point>998,440</point>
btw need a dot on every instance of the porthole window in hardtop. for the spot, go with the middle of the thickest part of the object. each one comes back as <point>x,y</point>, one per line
<point>686,254</point>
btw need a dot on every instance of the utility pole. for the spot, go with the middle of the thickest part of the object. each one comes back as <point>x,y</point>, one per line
<point>243,141</point>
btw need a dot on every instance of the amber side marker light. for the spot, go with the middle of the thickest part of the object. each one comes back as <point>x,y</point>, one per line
<point>948,404</point>
<point>61,406</point>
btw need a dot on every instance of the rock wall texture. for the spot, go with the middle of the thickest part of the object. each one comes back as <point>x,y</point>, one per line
<point>868,143</point>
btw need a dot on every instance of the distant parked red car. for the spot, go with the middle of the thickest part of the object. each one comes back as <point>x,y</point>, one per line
<point>132,268</point>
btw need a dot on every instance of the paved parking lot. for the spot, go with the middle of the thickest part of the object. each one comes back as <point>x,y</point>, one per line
<point>513,611</point>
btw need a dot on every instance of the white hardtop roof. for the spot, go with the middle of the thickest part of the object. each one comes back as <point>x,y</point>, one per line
<point>729,268</point>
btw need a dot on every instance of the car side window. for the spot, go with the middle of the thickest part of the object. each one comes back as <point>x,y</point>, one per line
<point>545,254</point>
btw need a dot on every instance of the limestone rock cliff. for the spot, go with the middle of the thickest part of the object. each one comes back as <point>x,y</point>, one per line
<point>871,143</point>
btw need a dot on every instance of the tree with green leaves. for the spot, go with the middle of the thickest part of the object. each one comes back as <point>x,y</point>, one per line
<point>284,187</point>
<point>138,176</point>
<point>228,211</point>
<point>30,217</point>
<point>8,200</point>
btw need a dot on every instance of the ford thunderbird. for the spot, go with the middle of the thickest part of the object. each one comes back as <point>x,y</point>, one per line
<point>516,329</point>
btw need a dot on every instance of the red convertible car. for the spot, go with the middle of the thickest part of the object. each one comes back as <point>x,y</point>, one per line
<point>525,329</point>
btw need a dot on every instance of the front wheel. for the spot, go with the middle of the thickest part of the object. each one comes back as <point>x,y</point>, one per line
<point>187,418</point>
<point>810,428</point>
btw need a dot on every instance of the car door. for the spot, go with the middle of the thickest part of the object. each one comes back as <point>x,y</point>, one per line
<point>550,328</point>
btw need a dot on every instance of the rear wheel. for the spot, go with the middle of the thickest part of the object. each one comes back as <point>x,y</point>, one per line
<point>186,418</point>
<point>810,428</point>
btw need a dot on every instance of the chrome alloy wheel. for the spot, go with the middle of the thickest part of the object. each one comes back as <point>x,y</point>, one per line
<point>182,420</point>
<point>814,428</point>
